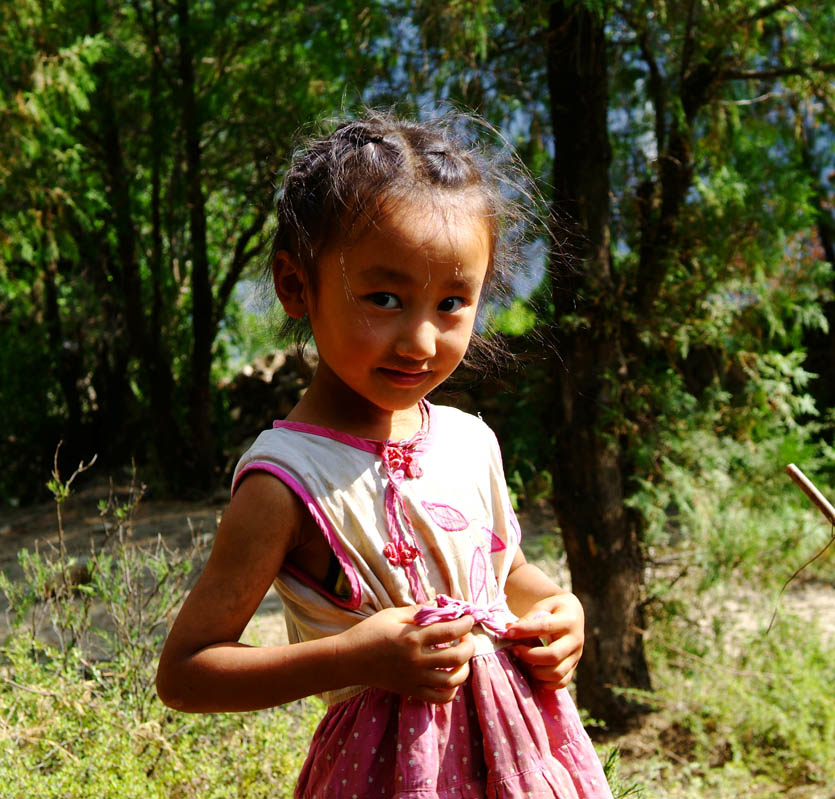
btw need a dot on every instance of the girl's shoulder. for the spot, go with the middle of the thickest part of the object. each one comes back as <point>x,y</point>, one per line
<point>288,449</point>
<point>451,421</point>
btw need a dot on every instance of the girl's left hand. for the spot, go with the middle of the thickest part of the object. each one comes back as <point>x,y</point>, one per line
<point>558,620</point>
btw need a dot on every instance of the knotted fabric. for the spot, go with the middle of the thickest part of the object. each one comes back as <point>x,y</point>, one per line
<point>494,617</point>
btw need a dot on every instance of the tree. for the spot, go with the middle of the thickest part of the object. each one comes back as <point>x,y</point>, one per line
<point>45,85</point>
<point>590,485</point>
<point>670,211</point>
<point>692,60</point>
<point>191,108</point>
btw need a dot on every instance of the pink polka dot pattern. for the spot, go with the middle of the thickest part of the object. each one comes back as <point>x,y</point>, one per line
<point>498,738</point>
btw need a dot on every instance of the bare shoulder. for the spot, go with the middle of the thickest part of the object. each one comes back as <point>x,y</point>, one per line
<point>260,526</point>
<point>264,513</point>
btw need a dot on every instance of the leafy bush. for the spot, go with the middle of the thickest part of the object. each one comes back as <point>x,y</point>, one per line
<point>81,717</point>
<point>715,487</point>
<point>756,709</point>
<point>75,729</point>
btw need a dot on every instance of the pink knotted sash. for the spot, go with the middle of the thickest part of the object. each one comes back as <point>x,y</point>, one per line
<point>448,609</point>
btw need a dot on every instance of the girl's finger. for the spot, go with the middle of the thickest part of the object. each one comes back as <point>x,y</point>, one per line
<point>446,678</point>
<point>564,648</point>
<point>556,652</point>
<point>437,696</point>
<point>451,657</point>
<point>540,624</point>
<point>444,632</point>
<point>555,679</point>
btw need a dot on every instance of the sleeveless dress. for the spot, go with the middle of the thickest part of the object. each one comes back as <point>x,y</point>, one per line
<point>425,521</point>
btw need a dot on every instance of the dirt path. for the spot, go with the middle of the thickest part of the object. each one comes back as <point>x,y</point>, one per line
<point>178,522</point>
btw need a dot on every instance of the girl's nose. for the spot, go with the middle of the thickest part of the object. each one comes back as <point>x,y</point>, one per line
<point>417,341</point>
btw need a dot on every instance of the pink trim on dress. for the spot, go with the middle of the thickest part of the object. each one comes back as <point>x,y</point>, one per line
<point>366,444</point>
<point>419,441</point>
<point>514,523</point>
<point>324,525</point>
<point>403,549</point>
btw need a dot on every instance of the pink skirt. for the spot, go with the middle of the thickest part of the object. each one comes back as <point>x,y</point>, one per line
<point>498,738</point>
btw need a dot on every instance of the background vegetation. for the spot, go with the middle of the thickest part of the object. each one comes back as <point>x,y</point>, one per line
<point>678,351</point>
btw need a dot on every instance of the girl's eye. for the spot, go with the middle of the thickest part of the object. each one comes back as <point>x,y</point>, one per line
<point>383,299</point>
<point>451,304</point>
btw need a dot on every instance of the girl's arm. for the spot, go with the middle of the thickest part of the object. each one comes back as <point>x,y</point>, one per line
<point>545,612</point>
<point>203,667</point>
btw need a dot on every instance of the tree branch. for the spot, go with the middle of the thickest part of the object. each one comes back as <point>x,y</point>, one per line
<point>657,85</point>
<point>689,39</point>
<point>656,90</point>
<point>241,257</point>
<point>776,72</point>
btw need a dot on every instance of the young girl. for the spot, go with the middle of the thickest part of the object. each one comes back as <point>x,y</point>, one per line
<point>383,520</point>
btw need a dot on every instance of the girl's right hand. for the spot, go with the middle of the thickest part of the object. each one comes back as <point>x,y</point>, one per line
<point>390,652</point>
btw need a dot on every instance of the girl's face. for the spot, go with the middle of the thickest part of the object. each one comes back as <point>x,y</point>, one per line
<point>393,309</point>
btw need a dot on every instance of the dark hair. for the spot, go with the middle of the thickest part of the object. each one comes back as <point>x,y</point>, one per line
<point>339,183</point>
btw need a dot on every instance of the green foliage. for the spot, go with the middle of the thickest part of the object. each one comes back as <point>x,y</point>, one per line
<point>755,710</point>
<point>81,715</point>
<point>40,180</point>
<point>73,731</point>
<point>115,188</point>
<point>714,476</point>
<point>515,320</point>
<point>618,788</point>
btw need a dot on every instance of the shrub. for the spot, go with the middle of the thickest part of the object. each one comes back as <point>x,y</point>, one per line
<point>80,714</point>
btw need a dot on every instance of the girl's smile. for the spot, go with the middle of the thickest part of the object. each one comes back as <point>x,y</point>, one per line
<point>402,377</point>
<point>392,313</point>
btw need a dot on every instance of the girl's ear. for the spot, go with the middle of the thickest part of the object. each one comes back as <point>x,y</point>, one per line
<point>290,285</point>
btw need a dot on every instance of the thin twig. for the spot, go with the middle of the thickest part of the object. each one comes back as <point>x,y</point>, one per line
<point>29,689</point>
<point>825,507</point>
<point>788,582</point>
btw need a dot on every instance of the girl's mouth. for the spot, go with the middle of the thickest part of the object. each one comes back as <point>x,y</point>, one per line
<point>403,378</point>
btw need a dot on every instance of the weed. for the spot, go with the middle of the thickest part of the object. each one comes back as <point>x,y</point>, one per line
<point>755,707</point>
<point>79,713</point>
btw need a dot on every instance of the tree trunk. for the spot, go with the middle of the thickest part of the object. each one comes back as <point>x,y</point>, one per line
<point>67,355</point>
<point>202,313</point>
<point>589,471</point>
<point>154,361</point>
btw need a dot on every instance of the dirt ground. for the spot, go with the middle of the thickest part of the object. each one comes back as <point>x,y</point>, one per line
<point>178,522</point>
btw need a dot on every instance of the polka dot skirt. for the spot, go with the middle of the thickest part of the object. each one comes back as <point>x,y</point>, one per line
<point>498,738</point>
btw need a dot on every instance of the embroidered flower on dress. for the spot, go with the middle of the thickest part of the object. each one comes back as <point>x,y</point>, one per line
<point>401,555</point>
<point>390,551</point>
<point>400,462</point>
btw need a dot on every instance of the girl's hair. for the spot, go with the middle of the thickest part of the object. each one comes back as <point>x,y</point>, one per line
<point>339,184</point>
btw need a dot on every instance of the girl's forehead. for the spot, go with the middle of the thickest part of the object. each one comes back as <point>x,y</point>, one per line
<point>460,223</point>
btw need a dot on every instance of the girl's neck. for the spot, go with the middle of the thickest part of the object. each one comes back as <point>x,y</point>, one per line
<point>339,408</point>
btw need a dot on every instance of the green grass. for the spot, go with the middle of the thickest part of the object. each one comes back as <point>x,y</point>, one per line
<point>756,708</point>
<point>79,716</point>
<point>70,731</point>
<point>738,710</point>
